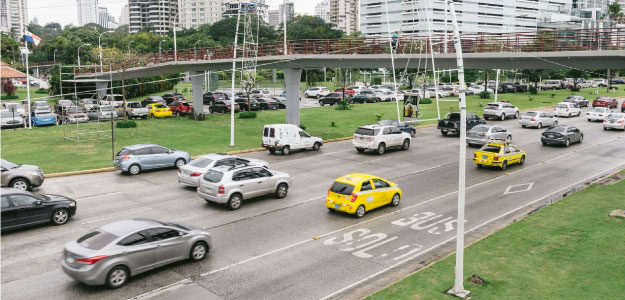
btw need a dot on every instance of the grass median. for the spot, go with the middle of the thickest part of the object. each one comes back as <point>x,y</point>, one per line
<point>569,250</point>
<point>46,146</point>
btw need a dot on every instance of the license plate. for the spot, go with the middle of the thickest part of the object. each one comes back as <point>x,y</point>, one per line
<point>484,156</point>
<point>337,206</point>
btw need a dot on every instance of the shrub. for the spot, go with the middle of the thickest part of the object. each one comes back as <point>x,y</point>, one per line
<point>343,105</point>
<point>192,116</point>
<point>247,115</point>
<point>379,116</point>
<point>41,91</point>
<point>425,101</point>
<point>8,87</point>
<point>126,124</point>
<point>12,97</point>
<point>333,124</point>
<point>533,90</point>
<point>576,89</point>
<point>553,95</point>
<point>531,98</point>
<point>484,95</point>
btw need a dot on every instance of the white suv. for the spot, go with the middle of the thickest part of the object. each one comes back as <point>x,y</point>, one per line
<point>567,109</point>
<point>316,92</point>
<point>500,110</point>
<point>379,138</point>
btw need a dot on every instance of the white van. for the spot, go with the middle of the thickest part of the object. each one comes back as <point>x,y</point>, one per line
<point>287,137</point>
<point>567,109</point>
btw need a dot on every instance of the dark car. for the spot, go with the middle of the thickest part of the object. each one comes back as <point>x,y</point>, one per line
<point>403,126</point>
<point>209,97</point>
<point>507,87</point>
<point>267,104</point>
<point>223,106</point>
<point>604,101</point>
<point>562,135</point>
<point>617,81</point>
<point>171,97</point>
<point>243,103</point>
<point>365,96</point>
<point>22,208</point>
<point>281,101</point>
<point>180,107</point>
<point>153,100</point>
<point>451,123</point>
<point>332,98</point>
<point>579,100</point>
<point>623,106</point>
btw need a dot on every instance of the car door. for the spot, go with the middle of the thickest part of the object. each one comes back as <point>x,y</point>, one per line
<point>304,139</point>
<point>398,138</point>
<point>139,251</point>
<point>265,183</point>
<point>9,212</point>
<point>144,157</point>
<point>577,133</point>
<point>30,210</point>
<point>515,154</point>
<point>161,157</point>
<point>245,182</point>
<point>170,245</point>
<point>382,194</point>
<point>368,194</point>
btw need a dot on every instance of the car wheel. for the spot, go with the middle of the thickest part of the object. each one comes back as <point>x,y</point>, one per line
<point>604,128</point>
<point>117,277</point>
<point>523,126</point>
<point>286,150</point>
<point>516,115</point>
<point>503,117</point>
<point>234,202</point>
<point>316,146</point>
<point>381,148</point>
<point>360,211</point>
<point>539,126</point>
<point>555,123</point>
<point>282,190</point>
<point>360,150</point>
<point>509,138</point>
<point>522,161</point>
<point>544,143</point>
<point>589,120</point>
<point>395,200</point>
<point>179,163</point>
<point>134,169</point>
<point>198,251</point>
<point>567,143</point>
<point>272,151</point>
<point>405,145</point>
<point>20,184</point>
<point>479,166</point>
<point>60,216</point>
<point>581,138</point>
<point>306,96</point>
<point>504,165</point>
<point>569,115</point>
<point>320,103</point>
<point>444,132</point>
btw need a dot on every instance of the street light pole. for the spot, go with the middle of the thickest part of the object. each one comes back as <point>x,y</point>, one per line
<point>100,46</point>
<point>175,46</point>
<point>284,25</point>
<point>159,50</point>
<point>129,46</point>
<point>195,49</point>
<point>54,56</point>
<point>79,53</point>
<point>234,69</point>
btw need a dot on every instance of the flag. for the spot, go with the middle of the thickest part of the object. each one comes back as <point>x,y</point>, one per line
<point>30,37</point>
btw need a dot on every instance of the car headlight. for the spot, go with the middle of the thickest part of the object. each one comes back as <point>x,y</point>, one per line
<point>72,204</point>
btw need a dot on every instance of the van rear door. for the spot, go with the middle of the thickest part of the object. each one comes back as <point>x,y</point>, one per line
<point>269,135</point>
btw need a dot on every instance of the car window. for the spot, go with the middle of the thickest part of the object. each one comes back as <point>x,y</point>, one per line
<point>242,175</point>
<point>342,188</point>
<point>143,151</point>
<point>5,201</point>
<point>136,238</point>
<point>23,200</point>
<point>200,162</point>
<point>96,240</point>
<point>213,176</point>
<point>260,173</point>
<point>225,162</point>
<point>380,184</point>
<point>158,234</point>
<point>366,131</point>
<point>493,149</point>
<point>506,149</point>
<point>513,149</point>
<point>303,134</point>
<point>386,130</point>
<point>272,132</point>
<point>395,130</point>
<point>158,150</point>
<point>366,185</point>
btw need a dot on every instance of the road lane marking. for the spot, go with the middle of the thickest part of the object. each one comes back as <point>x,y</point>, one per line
<point>163,289</point>
<point>519,188</point>
<point>110,217</point>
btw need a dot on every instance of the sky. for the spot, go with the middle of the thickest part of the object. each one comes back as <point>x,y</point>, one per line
<point>65,11</point>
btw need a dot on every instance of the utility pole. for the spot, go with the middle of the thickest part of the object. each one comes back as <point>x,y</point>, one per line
<point>234,69</point>
<point>175,45</point>
<point>24,51</point>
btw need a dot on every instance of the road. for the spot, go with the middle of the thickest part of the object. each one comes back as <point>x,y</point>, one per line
<point>293,248</point>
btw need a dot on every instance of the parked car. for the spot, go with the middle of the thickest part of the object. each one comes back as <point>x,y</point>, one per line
<point>365,97</point>
<point>61,105</point>
<point>231,185</point>
<point>158,111</point>
<point>281,101</point>
<point>507,87</point>
<point>15,107</point>
<point>332,98</point>
<point>567,109</point>
<point>498,154</point>
<point>537,119</point>
<point>500,110</point>
<point>19,176</point>
<point>103,112</point>
<point>347,91</point>
<point>449,91</point>
<point>112,100</point>
<point>260,93</point>
<point>111,254</point>
<point>584,84</point>
<point>43,117</point>
<point>179,107</point>
<point>451,123</point>
<point>358,193</point>
<point>483,134</point>
<point>288,137</point>
<point>614,121</point>
<point>136,158</point>
<point>476,89</point>
<point>253,104</point>
<point>40,105</point>
<point>223,106</point>
<point>550,85</point>
<point>386,95</point>
<point>521,88</point>
<point>170,97</point>
<point>191,173</point>
<point>283,94</point>
<point>10,119</point>
<point>134,110</point>
<point>623,106</point>
<point>599,83</point>
<point>22,209</point>
<point>153,100</point>
<point>579,100</point>
<point>379,138</point>
<point>267,104</point>
<point>617,81</point>
<point>316,92</point>
<point>88,104</point>
<point>604,101</point>
<point>72,114</point>
<point>562,135</point>
<point>597,114</point>
<point>403,126</point>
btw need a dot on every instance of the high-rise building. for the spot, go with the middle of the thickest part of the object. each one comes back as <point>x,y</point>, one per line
<point>13,16</point>
<point>194,13</point>
<point>322,10</point>
<point>154,15</point>
<point>105,19</point>
<point>290,11</point>
<point>124,18</point>
<point>273,17</point>
<point>231,8</point>
<point>87,11</point>
<point>344,14</point>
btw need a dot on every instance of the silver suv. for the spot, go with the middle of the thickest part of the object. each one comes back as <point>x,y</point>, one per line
<point>21,177</point>
<point>230,185</point>
<point>500,110</point>
<point>191,173</point>
<point>482,134</point>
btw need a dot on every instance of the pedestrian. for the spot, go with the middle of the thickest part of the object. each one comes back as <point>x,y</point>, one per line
<point>395,40</point>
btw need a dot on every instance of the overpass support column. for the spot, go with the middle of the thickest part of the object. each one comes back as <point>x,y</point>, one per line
<point>101,88</point>
<point>291,80</point>
<point>197,81</point>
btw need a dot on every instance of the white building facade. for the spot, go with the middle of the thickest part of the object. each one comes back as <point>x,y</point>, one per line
<point>87,11</point>
<point>156,15</point>
<point>231,8</point>
<point>194,13</point>
<point>322,10</point>
<point>13,16</point>
<point>124,18</point>
<point>344,14</point>
<point>105,19</point>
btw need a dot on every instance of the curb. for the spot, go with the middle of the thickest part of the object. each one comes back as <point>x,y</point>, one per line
<point>63,174</point>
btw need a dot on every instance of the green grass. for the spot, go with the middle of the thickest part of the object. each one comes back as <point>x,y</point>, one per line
<point>46,147</point>
<point>569,250</point>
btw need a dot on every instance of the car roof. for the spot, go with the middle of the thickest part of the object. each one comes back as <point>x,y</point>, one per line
<point>139,146</point>
<point>124,227</point>
<point>374,126</point>
<point>215,156</point>
<point>355,178</point>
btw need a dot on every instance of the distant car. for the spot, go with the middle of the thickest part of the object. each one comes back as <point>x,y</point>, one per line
<point>281,101</point>
<point>223,106</point>
<point>597,114</point>
<point>287,137</point>
<point>61,105</point>
<point>358,193</point>
<point>112,100</point>
<point>10,119</point>
<point>623,106</point>
<point>73,114</point>
<point>537,119</point>
<point>599,82</point>
<point>499,154</point>
<point>562,135</point>
<point>379,138</point>
<point>365,97</point>
<point>17,108</point>
<point>251,105</point>
<point>170,97</point>
<point>190,173</point>
<point>267,104</point>
<point>158,111</point>
<point>178,107</point>
<point>614,121</point>
<point>20,177</point>
<point>500,110</point>
<point>22,209</point>
<point>483,134</point>
<point>567,109</point>
<point>40,105</point>
<point>137,158</point>
<point>451,123</point>
<point>617,81</point>
<point>260,93</point>
<point>153,100</point>
<point>403,126</point>
<point>579,100</point>
<point>43,117</point>
<point>134,110</point>
<point>584,84</point>
<point>551,85</point>
<point>113,253</point>
<point>88,104</point>
<point>604,101</point>
<point>347,91</point>
<point>332,99</point>
<point>386,95</point>
<point>316,92</point>
<point>102,113</point>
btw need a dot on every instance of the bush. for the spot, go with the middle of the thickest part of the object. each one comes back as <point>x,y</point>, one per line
<point>425,101</point>
<point>553,95</point>
<point>376,81</point>
<point>8,87</point>
<point>379,116</point>
<point>247,115</point>
<point>192,116</point>
<point>575,89</point>
<point>533,90</point>
<point>12,97</point>
<point>126,124</point>
<point>484,95</point>
<point>41,91</point>
<point>333,124</point>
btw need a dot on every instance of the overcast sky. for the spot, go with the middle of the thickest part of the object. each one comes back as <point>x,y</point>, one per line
<point>65,11</point>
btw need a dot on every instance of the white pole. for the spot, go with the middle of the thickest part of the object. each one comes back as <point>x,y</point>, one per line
<point>445,34</point>
<point>497,84</point>
<point>390,45</point>
<point>438,109</point>
<point>284,25</point>
<point>100,46</point>
<point>175,45</point>
<point>458,289</point>
<point>234,69</point>
<point>30,124</point>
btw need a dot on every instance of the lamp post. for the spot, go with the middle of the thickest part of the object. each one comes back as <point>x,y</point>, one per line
<point>79,53</point>
<point>54,56</point>
<point>284,25</point>
<point>175,46</point>
<point>100,46</point>
<point>159,50</point>
<point>129,46</point>
<point>194,48</point>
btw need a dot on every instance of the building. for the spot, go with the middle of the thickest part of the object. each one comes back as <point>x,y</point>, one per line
<point>231,8</point>
<point>153,15</point>
<point>273,17</point>
<point>482,16</point>
<point>322,10</point>
<point>194,13</point>
<point>105,19</point>
<point>344,14</point>
<point>87,11</point>
<point>13,16</point>
<point>124,18</point>
<point>290,11</point>
<point>35,21</point>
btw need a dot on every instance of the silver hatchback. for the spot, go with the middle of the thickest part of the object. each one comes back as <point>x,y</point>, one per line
<point>482,134</point>
<point>112,253</point>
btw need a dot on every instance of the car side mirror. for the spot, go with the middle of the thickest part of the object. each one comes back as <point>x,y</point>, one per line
<point>38,202</point>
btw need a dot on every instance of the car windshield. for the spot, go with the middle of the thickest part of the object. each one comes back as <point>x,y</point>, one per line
<point>490,148</point>
<point>65,102</point>
<point>453,117</point>
<point>366,131</point>
<point>213,176</point>
<point>342,188</point>
<point>200,162</point>
<point>7,114</point>
<point>556,129</point>
<point>42,104</point>
<point>492,106</point>
<point>74,109</point>
<point>479,128</point>
<point>562,105</point>
<point>125,151</point>
<point>599,109</point>
<point>96,240</point>
<point>616,116</point>
<point>160,106</point>
<point>530,114</point>
<point>10,105</point>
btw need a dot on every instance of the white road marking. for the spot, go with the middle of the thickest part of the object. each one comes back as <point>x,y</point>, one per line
<point>519,188</point>
<point>164,289</point>
<point>117,215</point>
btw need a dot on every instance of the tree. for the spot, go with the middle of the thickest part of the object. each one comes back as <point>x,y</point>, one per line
<point>309,27</point>
<point>533,75</point>
<point>8,87</point>
<point>9,49</point>
<point>223,31</point>
<point>614,11</point>
<point>575,74</point>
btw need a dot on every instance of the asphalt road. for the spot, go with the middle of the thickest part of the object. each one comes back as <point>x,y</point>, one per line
<point>267,249</point>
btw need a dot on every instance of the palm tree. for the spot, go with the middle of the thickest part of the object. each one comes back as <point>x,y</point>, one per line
<point>614,11</point>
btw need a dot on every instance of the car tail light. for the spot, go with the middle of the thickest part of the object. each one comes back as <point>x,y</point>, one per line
<point>496,158</point>
<point>533,119</point>
<point>567,109</point>
<point>587,114</point>
<point>91,260</point>
<point>354,197</point>
<point>605,121</point>
<point>179,171</point>
<point>196,174</point>
<point>474,155</point>
<point>620,122</point>
<point>601,115</point>
<point>221,189</point>
<point>126,157</point>
<point>329,192</point>
<point>370,139</point>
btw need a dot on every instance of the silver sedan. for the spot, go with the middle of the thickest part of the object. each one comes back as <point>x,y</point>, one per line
<point>482,134</point>
<point>537,119</point>
<point>112,253</point>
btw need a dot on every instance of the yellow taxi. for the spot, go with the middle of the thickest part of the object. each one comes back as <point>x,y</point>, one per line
<point>358,193</point>
<point>157,110</point>
<point>498,154</point>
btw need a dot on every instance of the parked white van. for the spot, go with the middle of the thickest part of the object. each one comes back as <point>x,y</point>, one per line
<point>287,137</point>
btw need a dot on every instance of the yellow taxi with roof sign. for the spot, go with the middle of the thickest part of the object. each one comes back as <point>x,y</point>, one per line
<point>499,154</point>
<point>358,193</point>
